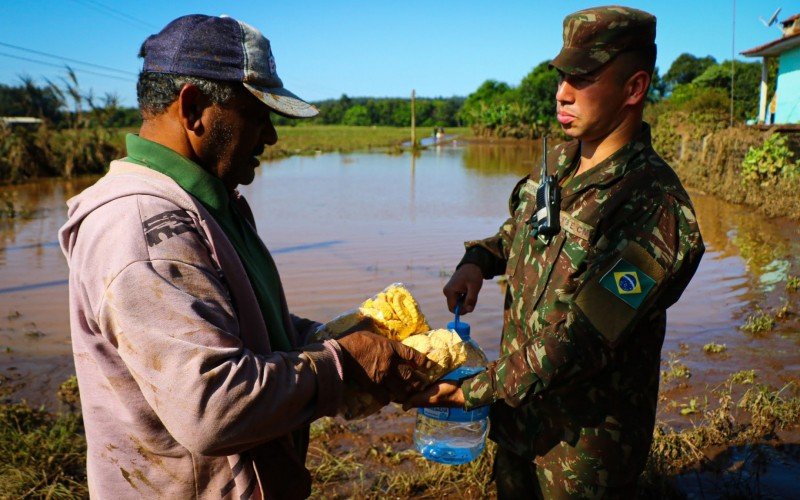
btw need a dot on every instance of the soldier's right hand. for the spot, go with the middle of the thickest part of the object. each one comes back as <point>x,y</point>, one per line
<point>467,282</point>
<point>385,368</point>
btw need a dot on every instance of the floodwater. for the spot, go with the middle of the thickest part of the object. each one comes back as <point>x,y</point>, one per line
<point>343,226</point>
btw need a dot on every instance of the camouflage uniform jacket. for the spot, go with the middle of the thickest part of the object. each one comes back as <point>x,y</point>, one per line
<point>585,313</point>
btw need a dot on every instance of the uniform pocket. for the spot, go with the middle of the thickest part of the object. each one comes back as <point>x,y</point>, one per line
<point>522,233</point>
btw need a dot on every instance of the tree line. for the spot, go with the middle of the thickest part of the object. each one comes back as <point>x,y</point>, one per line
<point>691,83</point>
<point>51,103</point>
<point>493,109</point>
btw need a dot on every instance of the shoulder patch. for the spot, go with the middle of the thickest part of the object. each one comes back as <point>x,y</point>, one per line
<point>612,298</point>
<point>628,283</point>
<point>167,224</point>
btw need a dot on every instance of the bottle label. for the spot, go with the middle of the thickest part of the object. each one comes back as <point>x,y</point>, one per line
<point>463,372</point>
<point>455,414</point>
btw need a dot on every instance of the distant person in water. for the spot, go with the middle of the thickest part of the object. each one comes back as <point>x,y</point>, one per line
<point>195,380</point>
<point>590,277</point>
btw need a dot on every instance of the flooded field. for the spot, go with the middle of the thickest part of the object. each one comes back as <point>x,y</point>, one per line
<point>342,227</point>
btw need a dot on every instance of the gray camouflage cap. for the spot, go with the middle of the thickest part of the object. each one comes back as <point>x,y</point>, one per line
<point>592,37</point>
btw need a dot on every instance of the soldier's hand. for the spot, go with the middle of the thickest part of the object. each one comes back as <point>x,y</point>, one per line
<point>385,368</point>
<point>466,281</point>
<point>438,394</point>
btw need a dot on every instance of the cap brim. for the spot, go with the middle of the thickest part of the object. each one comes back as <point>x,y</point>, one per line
<point>575,61</point>
<point>283,102</point>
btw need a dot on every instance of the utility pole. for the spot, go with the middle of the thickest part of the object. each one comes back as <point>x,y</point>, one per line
<point>733,57</point>
<point>413,122</point>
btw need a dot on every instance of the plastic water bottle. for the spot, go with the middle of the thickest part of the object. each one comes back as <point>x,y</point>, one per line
<point>453,435</point>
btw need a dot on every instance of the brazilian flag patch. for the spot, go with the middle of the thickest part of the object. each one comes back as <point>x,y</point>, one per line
<point>628,283</point>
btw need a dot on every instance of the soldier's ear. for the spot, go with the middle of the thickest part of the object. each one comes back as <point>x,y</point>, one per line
<point>636,88</point>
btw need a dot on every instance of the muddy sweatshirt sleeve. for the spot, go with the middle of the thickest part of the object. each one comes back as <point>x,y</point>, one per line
<point>162,303</point>
<point>660,242</point>
<point>491,254</point>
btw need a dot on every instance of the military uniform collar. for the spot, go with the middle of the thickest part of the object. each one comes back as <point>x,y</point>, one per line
<point>565,161</point>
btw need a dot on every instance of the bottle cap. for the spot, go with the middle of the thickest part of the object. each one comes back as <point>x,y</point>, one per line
<point>461,328</point>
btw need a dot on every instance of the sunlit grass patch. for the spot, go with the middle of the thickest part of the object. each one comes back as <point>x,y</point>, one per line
<point>743,377</point>
<point>675,370</point>
<point>714,348</point>
<point>327,467</point>
<point>43,454</point>
<point>758,322</point>
<point>690,408</point>
<point>792,284</point>
<point>428,479</point>
<point>757,415</point>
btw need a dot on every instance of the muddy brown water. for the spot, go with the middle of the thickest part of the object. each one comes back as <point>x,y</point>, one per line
<point>343,226</point>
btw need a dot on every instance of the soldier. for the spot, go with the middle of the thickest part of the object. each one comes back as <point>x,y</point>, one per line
<point>574,391</point>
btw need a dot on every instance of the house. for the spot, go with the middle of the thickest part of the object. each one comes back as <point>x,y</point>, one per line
<point>20,121</point>
<point>785,104</point>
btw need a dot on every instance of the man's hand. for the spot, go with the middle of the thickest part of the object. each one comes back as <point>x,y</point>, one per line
<point>385,368</point>
<point>466,281</point>
<point>439,394</point>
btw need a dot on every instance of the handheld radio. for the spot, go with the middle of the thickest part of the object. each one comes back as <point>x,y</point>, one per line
<point>545,221</point>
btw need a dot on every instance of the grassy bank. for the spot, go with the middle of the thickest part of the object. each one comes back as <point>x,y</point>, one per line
<point>312,139</point>
<point>739,164</point>
<point>44,454</point>
<point>46,152</point>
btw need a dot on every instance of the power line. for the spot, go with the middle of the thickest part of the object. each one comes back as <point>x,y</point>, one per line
<point>117,14</point>
<point>68,59</point>
<point>80,70</point>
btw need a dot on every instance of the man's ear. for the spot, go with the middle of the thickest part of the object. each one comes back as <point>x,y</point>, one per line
<point>636,88</point>
<point>191,104</point>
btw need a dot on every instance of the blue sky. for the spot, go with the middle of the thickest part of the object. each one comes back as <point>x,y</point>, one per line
<point>324,49</point>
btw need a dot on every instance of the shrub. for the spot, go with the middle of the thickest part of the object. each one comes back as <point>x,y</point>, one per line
<point>767,164</point>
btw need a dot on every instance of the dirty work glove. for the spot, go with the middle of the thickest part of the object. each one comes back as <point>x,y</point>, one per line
<point>385,368</point>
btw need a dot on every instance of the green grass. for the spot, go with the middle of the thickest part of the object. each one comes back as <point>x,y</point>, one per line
<point>714,348</point>
<point>310,139</point>
<point>675,370</point>
<point>758,322</point>
<point>44,455</point>
<point>758,414</point>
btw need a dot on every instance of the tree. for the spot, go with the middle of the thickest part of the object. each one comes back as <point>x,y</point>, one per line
<point>357,115</point>
<point>30,99</point>
<point>537,93</point>
<point>686,68</point>
<point>747,78</point>
<point>491,93</point>
<point>658,88</point>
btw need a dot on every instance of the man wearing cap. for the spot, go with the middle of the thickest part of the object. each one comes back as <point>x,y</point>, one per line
<point>574,391</point>
<point>195,380</point>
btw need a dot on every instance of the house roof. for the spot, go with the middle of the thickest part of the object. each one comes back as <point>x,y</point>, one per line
<point>775,47</point>
<point>19,120</point>
<point>789,19</point>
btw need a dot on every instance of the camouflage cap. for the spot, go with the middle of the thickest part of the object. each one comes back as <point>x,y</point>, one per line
<point>592,37</point>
